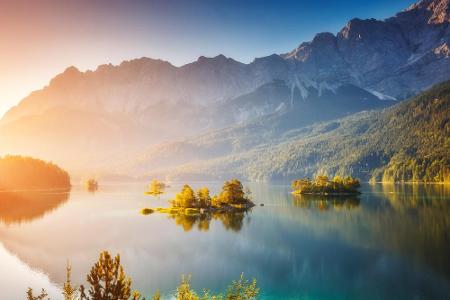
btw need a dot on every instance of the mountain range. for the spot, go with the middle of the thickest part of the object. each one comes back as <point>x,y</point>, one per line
<point>138,113</point>
<point>407,142</point>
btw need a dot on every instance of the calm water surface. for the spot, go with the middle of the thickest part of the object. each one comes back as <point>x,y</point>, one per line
<point>392,242</point>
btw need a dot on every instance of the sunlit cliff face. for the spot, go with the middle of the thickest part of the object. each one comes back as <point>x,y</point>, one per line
<point>101,119</point>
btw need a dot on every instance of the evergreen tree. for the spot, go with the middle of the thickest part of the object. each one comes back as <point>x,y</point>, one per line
<point>69,291</point>
<point>108,280</point>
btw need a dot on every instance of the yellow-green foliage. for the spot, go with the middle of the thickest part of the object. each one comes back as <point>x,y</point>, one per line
<point>232,194</point>
<point>241,289</point>
<point>189,208</point>
<point>169,210</point>
<point>203,197</point>
<point>186,198</point>
<point>156,187</point>
<point>147,211</point>
<point>322,185</point>
<point>108,281</point>
<point>404,168</point>
<point>406,142</point>
<point>233,220</point>
<point>70,292</point>
<point>192,211</point>
<point>91,185</point>
<point>19,172</point>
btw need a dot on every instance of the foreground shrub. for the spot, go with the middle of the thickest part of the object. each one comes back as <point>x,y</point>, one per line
<point>108,281</point>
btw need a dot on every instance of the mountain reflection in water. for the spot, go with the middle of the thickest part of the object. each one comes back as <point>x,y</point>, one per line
<point>391,242</point>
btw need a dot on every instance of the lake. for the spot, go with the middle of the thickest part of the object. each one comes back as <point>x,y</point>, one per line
<point>391,242</point>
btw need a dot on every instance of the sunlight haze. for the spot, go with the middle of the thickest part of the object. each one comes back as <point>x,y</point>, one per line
<point>224,149</point>
<point>42,38</point>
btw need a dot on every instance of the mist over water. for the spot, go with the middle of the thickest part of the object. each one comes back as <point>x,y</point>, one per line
<point>391,242</point>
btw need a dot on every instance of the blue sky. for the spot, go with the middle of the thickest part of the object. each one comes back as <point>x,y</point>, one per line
<point>41,38</point>
<point>245,29</point>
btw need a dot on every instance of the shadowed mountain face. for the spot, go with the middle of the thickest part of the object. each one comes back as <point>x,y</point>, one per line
<point>407,142</point>
<point>118,110</point>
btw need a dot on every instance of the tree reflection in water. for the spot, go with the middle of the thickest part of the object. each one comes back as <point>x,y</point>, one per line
<point>325,203</point>
<point>26,206</point>
<point>230,220</point>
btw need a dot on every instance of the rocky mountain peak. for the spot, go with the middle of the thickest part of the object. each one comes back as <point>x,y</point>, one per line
<point>436,11</point>
<point>66,78</point>
<point>221,59</point>
<point>358,29</point>
<point>324,38</point>
<point>395,57</point>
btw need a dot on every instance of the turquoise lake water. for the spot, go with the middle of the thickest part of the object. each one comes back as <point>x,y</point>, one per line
<point>391,242</point>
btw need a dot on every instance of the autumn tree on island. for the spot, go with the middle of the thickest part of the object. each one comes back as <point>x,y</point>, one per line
<point>155,188</point>
<point>232,194</point>
<point>322,185</point>
<point>203,197</point>
<point>186,198</point>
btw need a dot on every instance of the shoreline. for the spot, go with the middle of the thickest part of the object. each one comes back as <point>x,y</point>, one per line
<point>199,210</point>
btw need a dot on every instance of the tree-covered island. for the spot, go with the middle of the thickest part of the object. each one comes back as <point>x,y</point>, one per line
<point>27,173</point>
<point>155,188</point>
<point>232,198</point>
<point>324,186</point>
<point>91,185</point>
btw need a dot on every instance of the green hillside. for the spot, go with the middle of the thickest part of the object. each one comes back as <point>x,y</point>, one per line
<point>407,142</point>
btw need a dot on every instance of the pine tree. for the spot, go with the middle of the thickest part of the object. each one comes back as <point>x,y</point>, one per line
<point>108,280</point>
<point>69,291</point>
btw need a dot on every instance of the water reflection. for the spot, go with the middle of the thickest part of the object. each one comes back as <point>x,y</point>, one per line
<point>410,196</point>
<point>17,207</point>
<point>92,188</point>
<point>420,215</point>
<point>325,203</point>
<point>390,243</point>
<point>230,220</point>
<point>412,221</point>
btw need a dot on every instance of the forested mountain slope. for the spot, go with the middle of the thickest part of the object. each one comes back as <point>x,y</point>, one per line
<point>85,120</point>
<point>407,142</point>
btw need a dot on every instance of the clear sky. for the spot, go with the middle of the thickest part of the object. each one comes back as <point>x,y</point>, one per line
<point>40,38</point>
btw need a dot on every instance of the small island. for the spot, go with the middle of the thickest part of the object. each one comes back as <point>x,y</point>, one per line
<point>232,198</point>
<point>91,185</point>
<point>155,188</point>
<point>323,186</point>
<point>191,209</point>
